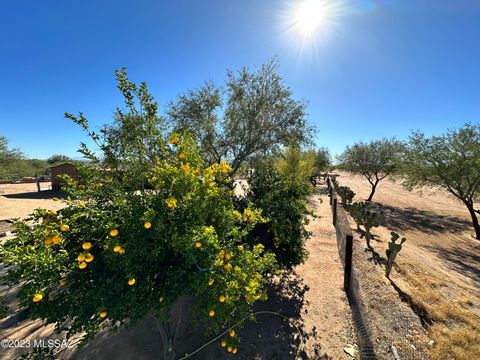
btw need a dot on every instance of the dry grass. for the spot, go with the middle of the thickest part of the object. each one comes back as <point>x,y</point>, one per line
<point>454,316</point>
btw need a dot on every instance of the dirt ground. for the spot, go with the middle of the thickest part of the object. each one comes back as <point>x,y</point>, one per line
<point>19,200</point>
<point>311,297</point>
<point>438,270</point>
<point>437,227</point>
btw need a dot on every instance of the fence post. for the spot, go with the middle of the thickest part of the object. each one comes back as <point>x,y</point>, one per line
<point>348,263</point>
<point>335,211</point>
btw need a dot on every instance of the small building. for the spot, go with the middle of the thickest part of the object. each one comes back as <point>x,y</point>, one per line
<point>62,169</point>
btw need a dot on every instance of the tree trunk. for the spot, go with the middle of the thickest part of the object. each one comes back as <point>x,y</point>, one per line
<point>374,187</point>
<point>475,223</point>
<point>169,328</point>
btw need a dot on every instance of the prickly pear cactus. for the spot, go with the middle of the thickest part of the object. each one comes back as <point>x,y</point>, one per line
<point>392,251</point>
<point>346,194</point>
<point>363,215</point>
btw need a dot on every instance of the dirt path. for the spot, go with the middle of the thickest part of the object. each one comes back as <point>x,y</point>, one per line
<point>326,311</point>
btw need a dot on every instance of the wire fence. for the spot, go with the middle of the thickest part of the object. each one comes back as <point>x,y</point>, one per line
<point>376,311</point>
<point>352,287</point>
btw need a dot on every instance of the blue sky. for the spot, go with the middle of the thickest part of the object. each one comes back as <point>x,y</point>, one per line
<point>372,69</point>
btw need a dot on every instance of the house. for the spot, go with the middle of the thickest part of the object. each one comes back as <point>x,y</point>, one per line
<point>62,169</point>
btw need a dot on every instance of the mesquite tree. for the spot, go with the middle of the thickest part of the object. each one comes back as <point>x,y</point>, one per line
<point>374,160</point>
<point>253,114</point>
<point>450,161</point>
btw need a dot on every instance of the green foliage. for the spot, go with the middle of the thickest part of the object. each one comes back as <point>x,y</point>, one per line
<point>257,115</point>
<point>297,166</point>
<point>392,251</point>
<point>323,159</point>
<point>363,215</point>
<point>58,158</point>
<point>284,203</point>
<point>374,160</point>
<point>118,251</point>
<point>346,194</point>
<point>450,161</point>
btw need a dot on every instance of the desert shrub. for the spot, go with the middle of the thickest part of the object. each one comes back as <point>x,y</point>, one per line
<point>364,216</point>
<point>346,194</point>
<point>116,253</point>
<point>284,204</point>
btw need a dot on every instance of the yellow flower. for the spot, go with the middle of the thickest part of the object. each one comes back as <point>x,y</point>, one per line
<point>211,281</point>
<point>171,203</point>
<point>80,258</point>
<point>147,225</point>
<point>221,298</point>
<point>161,298</point>
<point>198,244</point>
<point>88,257</point>
<point>113,232</point>
<point>211,313</point>
<point>48,241</point>
<point>234,351</point>
<point>62,282</point>
<point>122,251</point>
<point>56,239</point>
<point>131,281</point>
<point>64,227</point>
<point>247,214</point>
<point>182,155</point>
<point>240,247</point>
<point>185,168</point>
<point>37,297</point>
<point>173,140</point>
<point>223,343</point>
<point>231,333</point>
<point>82,265</point>
<point>117,248</point>
<point>81,205</point>
<point>103,314</point>
<point>208,230</point>
<point>228,256</point>
<point>227,267</point>
<point>229,349</point>
<point>86,245</point>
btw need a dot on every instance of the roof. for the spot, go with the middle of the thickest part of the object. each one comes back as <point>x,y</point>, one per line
<point>65,163</point>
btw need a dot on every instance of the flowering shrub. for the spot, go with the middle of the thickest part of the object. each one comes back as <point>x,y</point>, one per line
<point>114,253</point>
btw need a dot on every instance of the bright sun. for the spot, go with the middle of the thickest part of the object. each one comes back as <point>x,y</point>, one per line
<point>310,15</point>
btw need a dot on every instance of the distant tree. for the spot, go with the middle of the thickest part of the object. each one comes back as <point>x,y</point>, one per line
<point>374,160</point>
<point>323,159</point>
<point>257,115</point>
<point>450,161</point>
<point>57,158</point>
<point>9,160</point>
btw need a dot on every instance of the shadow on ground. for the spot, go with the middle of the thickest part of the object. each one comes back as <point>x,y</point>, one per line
<point>463,258</point>
<point>45,194</point>
<point>268,337</point>
<point>403,219</point>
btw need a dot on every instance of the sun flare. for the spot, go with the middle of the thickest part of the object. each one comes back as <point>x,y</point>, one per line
<point>310,15</point>
<point>311,25</point>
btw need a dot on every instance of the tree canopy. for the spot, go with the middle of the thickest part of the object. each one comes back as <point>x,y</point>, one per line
<point>450,161</point>
<point>57,158</point>
<point>255,113</point>
<point>374,160</point>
